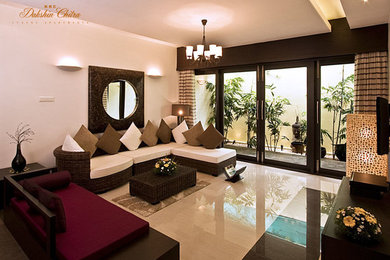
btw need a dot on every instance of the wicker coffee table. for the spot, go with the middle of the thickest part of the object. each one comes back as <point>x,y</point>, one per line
<point>153,188</point>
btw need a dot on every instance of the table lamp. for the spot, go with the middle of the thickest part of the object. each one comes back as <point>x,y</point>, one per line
<point>180,110</point>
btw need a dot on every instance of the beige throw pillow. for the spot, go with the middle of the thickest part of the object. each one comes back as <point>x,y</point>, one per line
<point>193,134</point>
<point>164,132</point>
<point>109,142</point>
<point>211,138</point>
<point>86,140</point>
<point>149,135</point>
<point>178,132</point>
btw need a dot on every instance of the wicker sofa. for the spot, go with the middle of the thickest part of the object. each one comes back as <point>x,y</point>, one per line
<point>105,172</point>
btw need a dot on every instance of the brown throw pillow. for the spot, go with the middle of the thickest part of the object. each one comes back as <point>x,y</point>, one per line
<point>193,134</point>
<point>164,132</point>
<point>54,203</point>
<point>109,142</point>
<point>149,135</point>
<point>86,140</point>
<point>211,138</point>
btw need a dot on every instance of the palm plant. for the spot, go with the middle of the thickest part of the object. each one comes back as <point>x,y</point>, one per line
<point>247,109</point>
<point>274,109</point>
<point>232,94</point>
<point>339,101</point>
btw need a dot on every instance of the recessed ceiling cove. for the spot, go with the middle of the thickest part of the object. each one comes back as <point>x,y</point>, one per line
<point>230,22</point>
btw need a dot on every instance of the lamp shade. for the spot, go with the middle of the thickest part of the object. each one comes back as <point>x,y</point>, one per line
<point>180,110</point>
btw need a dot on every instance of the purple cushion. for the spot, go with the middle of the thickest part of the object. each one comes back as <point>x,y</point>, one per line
<point>54,203</point>
<point>31,187</point>
<point>95,227</point>
<point>53,181</point>
<point>34,221</point>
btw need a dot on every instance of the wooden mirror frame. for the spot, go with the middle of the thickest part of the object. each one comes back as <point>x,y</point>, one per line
<point>98,80</point>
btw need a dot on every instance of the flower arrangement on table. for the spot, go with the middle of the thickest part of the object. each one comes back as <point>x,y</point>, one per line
<point>358,224</point>
<point>165,166</point>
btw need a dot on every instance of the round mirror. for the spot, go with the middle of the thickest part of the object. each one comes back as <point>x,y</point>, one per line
<point>120,99</point>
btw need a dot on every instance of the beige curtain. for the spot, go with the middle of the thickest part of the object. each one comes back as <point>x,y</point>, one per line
<point>371,80</point>
<point>187,94</point>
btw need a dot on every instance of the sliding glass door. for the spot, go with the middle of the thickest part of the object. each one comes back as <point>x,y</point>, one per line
<point>205,91</point>
<point>240,125</point>
<point>286,137</point>
<point>287,114</point>
<point>336,102</point>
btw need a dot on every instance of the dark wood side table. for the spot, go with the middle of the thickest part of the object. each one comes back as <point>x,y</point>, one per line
<point>30,170</point>
<point>335,246</point>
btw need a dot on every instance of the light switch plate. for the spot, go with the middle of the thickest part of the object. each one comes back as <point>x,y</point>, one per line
<point>46,99</point>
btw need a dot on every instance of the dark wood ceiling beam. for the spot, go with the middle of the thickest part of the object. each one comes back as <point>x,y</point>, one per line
<point>341,41</point>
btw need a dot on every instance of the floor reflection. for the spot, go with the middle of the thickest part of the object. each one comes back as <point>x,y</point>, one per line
<point>267,209</point>
<point>295,233</point>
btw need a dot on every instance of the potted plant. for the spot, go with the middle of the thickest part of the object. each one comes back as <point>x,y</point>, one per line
<point>323,149</point>
<point>165,167</point>
<point>274,109</point>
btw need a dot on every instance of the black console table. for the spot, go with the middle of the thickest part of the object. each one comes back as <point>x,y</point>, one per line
<point>335,246</point>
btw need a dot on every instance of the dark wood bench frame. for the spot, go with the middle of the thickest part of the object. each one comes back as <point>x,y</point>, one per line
<point>153,245</point>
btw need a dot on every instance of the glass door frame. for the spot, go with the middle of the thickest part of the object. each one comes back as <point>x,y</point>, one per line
<point>222,80</point>
<point>324,62</point>
<point>311,115</point>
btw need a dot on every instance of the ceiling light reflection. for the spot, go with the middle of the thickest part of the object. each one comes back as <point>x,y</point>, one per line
<point>188,16</point>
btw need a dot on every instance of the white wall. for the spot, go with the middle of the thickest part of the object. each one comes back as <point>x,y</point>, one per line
<point>28,54</point>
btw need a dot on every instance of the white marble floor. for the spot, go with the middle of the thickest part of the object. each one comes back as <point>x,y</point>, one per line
<point>224,220</point>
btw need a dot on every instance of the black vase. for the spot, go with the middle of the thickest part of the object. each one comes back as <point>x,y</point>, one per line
<point>18,163</point>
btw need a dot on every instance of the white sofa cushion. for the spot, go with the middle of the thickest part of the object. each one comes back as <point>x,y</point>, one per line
<point>144,154</point>
<point>105,165</point>
<point>202,154</point>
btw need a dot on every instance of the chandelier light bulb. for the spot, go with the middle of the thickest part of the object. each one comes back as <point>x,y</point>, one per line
<point>211,54</point>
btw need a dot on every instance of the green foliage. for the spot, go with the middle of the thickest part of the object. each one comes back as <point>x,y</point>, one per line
<point>338,100</point>
<point>247,109</point>
<point>327,200</point>
<point>236,105</point>
<point>211,88</point>
<point>274,109</point>
<point>232,100</point>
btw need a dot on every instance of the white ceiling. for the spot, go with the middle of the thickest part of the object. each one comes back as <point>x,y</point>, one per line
<point>361,14</point>
<point>230,22</point>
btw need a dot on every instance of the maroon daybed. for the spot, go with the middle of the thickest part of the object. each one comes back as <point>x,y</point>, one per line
<point>95,228</point>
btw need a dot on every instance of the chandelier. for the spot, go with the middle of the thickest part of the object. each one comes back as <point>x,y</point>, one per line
<point>212,54</point>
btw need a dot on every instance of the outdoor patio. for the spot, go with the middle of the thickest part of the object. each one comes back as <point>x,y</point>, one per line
<point>287,156</point>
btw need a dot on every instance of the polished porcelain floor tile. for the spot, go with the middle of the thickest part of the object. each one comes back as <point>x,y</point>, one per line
<point>270,214</point>
<point>225,220</point>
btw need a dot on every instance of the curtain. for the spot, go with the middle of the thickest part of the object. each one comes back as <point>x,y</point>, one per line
<point>187,94</point>
<point>371,80</point>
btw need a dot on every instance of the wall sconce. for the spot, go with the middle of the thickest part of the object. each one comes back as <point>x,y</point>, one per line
<point>154,73</point>
<point>68,64</point>
<point>361,146</point>
<point>180,110</point>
